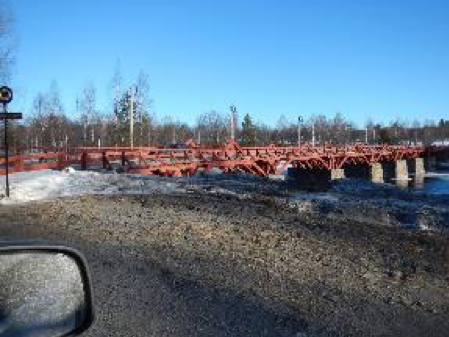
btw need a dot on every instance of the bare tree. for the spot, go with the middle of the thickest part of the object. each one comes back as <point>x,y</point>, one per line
<point>55,117</point>
<point>285,132</point>
<point>6,42</point>
<point>416,126</point>
<point>36,122</point>
<point>338,129</point>
<point>213,127</point>
<point>144,120</point>
<point>90,117</point>
<point>48,124</point>
<point>265,134</point>
<point>167,132</point>
<point>321,129</point>
<point>116,86</point>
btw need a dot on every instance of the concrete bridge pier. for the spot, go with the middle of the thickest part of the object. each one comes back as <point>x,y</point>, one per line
<point>336,174</point>
<point>395,170</point>
<point>376,173</point>
<point>388,171</point>
<point>401,170</point>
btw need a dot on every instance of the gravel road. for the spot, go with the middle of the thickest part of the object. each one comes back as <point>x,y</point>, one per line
<point>202,264</point>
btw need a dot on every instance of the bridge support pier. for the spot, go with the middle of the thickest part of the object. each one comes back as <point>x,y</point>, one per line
<point>377,173</point>
<point>336,174</point>
<point>401,171</point>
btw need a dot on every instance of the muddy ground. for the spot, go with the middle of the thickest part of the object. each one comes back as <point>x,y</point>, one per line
<point>219,262</point>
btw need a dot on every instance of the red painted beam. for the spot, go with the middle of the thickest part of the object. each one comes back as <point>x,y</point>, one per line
<point>230,157</point>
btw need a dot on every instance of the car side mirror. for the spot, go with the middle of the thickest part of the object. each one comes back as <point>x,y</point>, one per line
<point>44,292</point>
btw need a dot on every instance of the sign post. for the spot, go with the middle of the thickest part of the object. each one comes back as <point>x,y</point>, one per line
<point>6,97</point>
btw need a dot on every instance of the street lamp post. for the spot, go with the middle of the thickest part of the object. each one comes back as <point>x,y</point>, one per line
<point>299,130</point>
<point>313,133</point>
<point>233,121</point>
<point>131,118</point>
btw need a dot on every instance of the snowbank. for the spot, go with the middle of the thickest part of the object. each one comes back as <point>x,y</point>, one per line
<point>51,185</point>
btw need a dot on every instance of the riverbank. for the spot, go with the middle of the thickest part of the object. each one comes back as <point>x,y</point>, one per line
<point>239,256</point>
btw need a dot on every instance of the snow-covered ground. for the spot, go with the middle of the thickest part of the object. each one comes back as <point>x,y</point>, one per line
<point>51,185</point>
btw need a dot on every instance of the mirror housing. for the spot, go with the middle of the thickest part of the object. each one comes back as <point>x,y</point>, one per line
<point>45,291</point>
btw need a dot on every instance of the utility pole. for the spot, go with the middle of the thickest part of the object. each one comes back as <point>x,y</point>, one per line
<point>313,133</point>
<point>299,130</point>
<point>366,135</point>
<point>131,119</point>
<point>141,127</point>
<point>347,135</point>
<point>233,120</point>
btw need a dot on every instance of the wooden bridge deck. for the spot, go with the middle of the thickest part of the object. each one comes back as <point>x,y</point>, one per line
<point>231,157</point>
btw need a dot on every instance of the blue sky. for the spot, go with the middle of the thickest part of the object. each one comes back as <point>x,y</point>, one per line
<point>381,59</point>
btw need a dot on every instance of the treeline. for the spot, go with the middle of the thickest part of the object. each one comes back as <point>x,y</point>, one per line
<point>48,124</point>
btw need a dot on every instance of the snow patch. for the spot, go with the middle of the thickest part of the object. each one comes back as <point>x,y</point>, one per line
<point>437,174</point>
<point>50,185</point>
<point>69,170</point>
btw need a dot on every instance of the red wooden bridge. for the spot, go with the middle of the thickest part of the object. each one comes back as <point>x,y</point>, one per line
<point>229,158</point>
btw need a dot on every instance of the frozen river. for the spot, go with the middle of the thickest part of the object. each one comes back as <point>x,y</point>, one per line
<point>436,182</point>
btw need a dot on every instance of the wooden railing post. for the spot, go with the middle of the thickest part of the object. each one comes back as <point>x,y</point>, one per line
<point>61,161</point>
<point>20,163</point>
<point>123,158</point>
<point>104,160</point>
<point>84,161</point>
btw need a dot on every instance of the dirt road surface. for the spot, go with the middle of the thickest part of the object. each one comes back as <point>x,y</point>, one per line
<point>221,265</point>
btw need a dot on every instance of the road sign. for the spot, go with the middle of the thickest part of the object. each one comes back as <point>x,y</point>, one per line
<point>10,115</point>
<point>6,98</point>
<point>5,95</point>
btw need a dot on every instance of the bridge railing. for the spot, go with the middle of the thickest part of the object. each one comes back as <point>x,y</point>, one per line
<point>230,156</point>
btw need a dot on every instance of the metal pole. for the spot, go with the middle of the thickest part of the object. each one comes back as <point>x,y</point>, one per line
<point>84,133</point>
<point>299,131</point>
<point>131,119</point>
<point>313,133</point>
<point>233,120</point>
<point>6,152</point>
<point>174,134</point>
<point>232,125</point>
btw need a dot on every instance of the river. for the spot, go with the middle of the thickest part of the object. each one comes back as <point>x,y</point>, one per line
<point>435,182</point>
